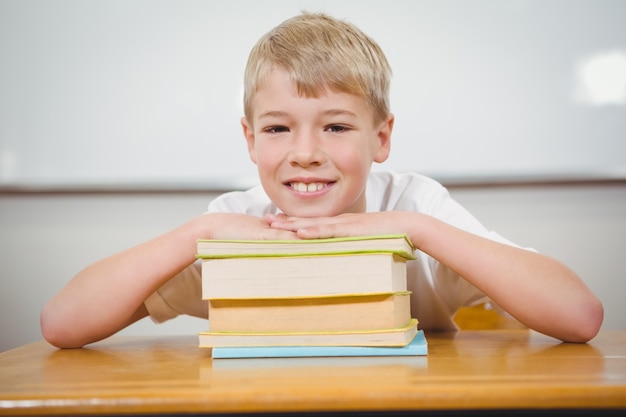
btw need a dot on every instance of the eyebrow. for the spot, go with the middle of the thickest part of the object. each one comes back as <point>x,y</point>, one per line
<point>339,112</point>
<point>330,112</point>
<point>273,113</point>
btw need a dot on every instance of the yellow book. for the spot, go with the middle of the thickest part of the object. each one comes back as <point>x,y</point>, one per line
<point>313,314</point>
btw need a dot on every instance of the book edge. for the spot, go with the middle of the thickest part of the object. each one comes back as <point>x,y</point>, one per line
<point>412,323</point>
<point>401,253</point>
<point>311,241</point>
<point>315,296</point>
<point>418,346</point>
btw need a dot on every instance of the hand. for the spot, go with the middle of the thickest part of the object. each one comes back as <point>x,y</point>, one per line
<point>242,226</point>
<point>343,225</point>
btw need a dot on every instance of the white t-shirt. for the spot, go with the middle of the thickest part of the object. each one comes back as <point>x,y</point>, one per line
<point>437,291</point>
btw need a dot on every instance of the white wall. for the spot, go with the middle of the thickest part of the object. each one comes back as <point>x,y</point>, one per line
<point>150,90</point>
<point>46,239</point>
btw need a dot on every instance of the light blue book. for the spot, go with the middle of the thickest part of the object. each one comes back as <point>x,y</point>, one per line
<point>417,346</point>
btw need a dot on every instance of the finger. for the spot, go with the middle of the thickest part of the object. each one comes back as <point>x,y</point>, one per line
<point>326,231</point>
<point>279,234</point>
<point>271,217</point>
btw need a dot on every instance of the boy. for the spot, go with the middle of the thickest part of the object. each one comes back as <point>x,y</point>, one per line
<point>316,118</point>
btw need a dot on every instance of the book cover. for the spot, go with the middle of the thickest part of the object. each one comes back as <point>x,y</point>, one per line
<point>417,347</point>
<point>398,244</point>
<point>377,337</point>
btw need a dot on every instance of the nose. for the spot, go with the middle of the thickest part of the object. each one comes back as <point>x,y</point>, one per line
<point>306,150</point>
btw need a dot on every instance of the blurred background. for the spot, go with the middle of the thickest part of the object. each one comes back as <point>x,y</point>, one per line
<point>119,120</point>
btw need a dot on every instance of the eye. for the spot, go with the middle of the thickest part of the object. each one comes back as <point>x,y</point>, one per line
<point>276,129</point>
<point>337,128</point>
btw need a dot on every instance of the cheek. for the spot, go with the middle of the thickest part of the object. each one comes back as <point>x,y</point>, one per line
<point>266,157</point>
<point>353,160</point>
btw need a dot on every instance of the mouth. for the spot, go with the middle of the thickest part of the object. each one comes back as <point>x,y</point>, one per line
<point>310,187</point>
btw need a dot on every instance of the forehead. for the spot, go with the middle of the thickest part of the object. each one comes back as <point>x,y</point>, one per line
<point>278,91</point>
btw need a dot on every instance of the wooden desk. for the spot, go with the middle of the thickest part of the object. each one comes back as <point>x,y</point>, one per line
<point>469,370</point>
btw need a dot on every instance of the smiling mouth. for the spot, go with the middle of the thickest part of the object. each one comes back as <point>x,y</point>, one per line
<point>311,187</point>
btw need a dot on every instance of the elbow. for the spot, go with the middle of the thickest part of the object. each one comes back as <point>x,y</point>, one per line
<point>587,323</point>
<point>595,318</point>
<point>55,331</point>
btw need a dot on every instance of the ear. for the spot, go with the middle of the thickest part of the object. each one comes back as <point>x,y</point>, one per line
<point>383,136</point>
<point>248,133</point>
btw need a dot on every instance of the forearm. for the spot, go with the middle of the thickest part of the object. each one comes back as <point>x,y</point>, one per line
<point>539,291</point>
<point>109,294</point>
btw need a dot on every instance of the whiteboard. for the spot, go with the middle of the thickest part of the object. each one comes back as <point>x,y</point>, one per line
<point>149,91</point>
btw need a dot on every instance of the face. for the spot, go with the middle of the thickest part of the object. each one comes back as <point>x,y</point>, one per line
<point>314,154</point>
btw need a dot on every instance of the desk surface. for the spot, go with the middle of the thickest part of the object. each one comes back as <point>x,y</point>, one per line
<point>468,370</point>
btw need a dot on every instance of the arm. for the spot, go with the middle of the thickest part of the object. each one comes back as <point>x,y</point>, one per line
<point>108,295</point>
<point>537,290</point>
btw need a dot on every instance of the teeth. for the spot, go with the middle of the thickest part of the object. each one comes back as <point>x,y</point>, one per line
<point>307,188</point>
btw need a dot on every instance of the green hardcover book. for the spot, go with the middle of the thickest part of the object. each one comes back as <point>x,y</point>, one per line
<point>395,243</point>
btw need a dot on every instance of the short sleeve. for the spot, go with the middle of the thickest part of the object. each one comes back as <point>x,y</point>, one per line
<point>180,295</point>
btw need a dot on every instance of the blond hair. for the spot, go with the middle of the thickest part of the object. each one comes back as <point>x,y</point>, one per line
<point>321,52</point>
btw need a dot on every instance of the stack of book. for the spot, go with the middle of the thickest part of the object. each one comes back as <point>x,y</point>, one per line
<point>324,297</point>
